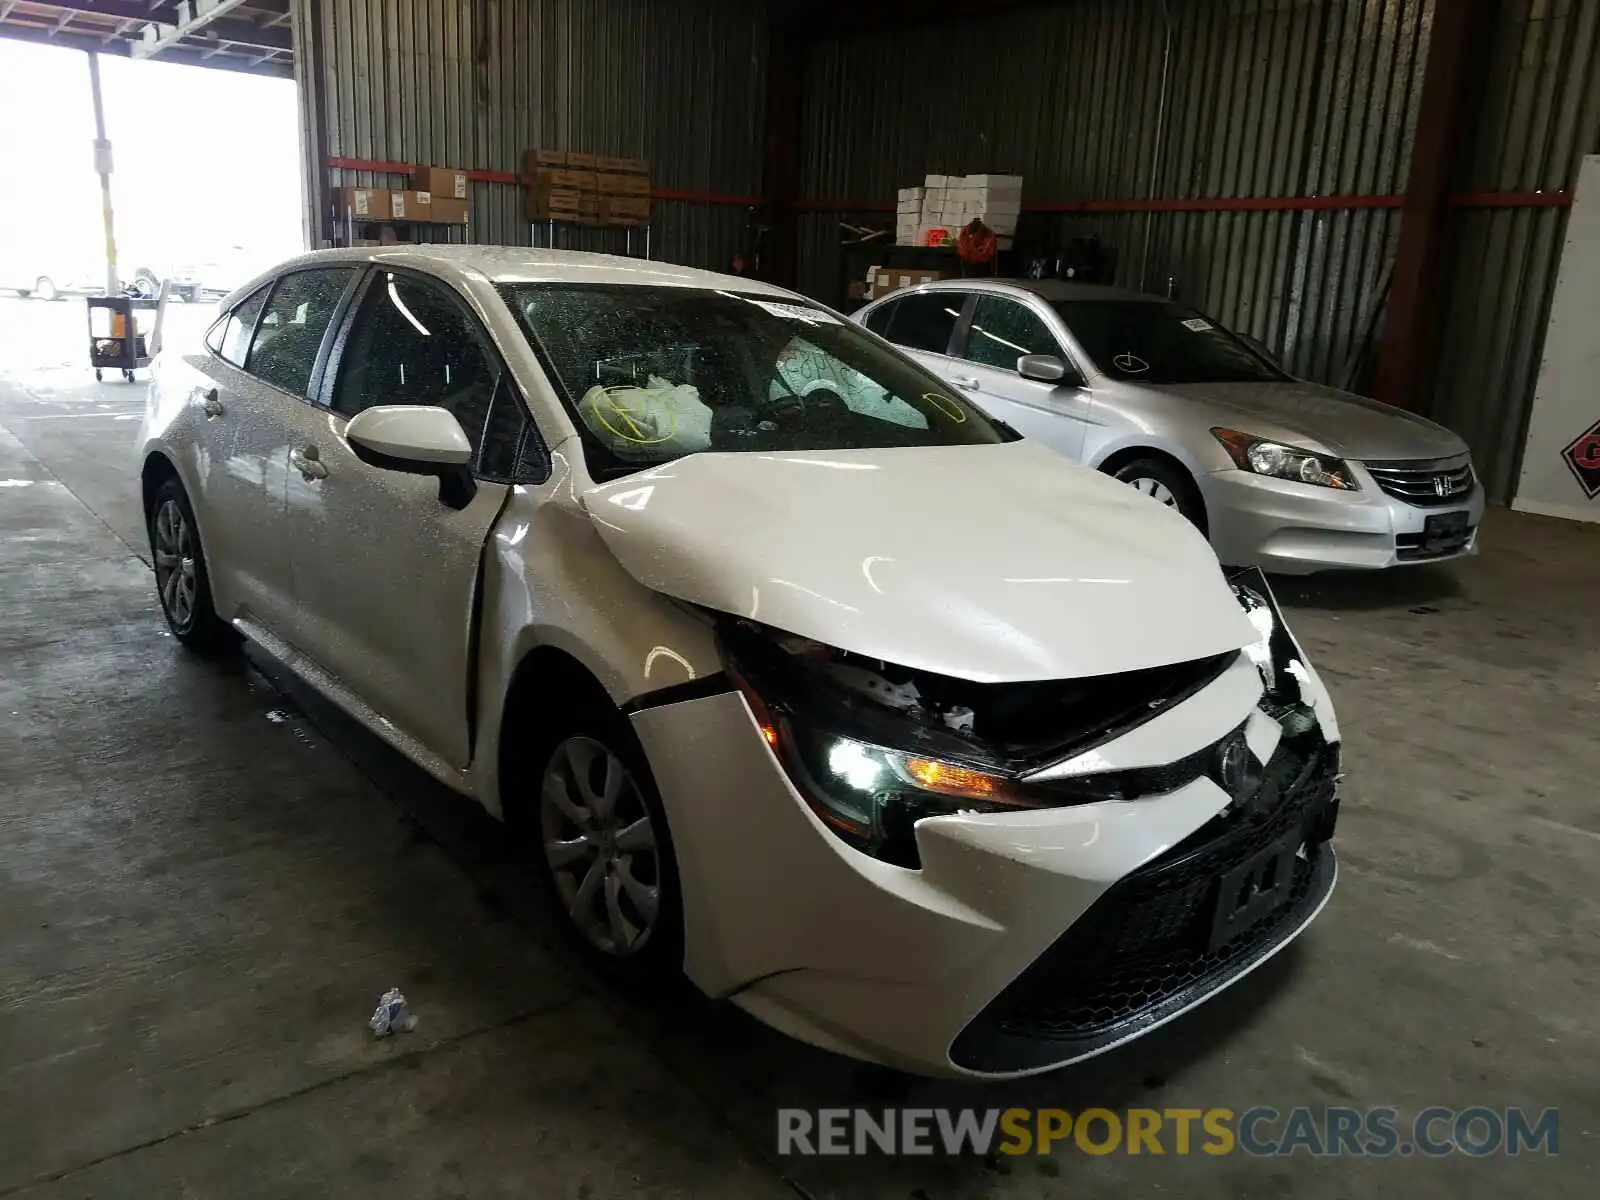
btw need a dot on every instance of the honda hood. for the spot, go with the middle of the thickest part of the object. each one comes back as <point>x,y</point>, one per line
<point>1323,418</point>
<point>993,563</point>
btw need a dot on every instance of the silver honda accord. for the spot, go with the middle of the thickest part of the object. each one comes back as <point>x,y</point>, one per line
<point>1282,474</point>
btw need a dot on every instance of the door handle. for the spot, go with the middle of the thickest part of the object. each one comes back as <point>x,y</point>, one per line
<point>965,382</point>
<point>213,405</point>
<point>307,463</point>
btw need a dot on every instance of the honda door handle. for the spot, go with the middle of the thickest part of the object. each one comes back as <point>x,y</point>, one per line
<point>306,462</point>
<point>966,384</point>
<point>213,405</point>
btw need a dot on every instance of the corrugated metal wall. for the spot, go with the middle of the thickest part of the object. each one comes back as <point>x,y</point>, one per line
<point>1263,98</point>
<point>1540,116</point>
<point>472,83</point>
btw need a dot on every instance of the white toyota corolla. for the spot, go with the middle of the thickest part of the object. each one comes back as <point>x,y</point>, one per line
<point>803,676</point>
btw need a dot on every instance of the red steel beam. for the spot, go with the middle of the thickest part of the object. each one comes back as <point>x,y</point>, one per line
<point>1553,199</point>
<point>1461,32</point>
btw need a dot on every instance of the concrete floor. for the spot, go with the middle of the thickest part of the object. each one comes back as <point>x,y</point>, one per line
<point>207,878</point>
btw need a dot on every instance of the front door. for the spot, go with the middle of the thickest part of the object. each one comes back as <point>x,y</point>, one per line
<point>387,572</point>
<point>1002,331</point>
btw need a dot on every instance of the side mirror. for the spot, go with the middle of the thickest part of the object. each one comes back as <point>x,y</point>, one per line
<point>1042,368</point>
<point>417,440</point>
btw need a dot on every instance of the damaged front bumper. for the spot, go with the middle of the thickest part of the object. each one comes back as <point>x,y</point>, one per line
<point>1023,940</point>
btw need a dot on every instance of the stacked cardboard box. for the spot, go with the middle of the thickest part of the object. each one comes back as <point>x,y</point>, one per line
<point>587,189</point>
<point>883,280</point>
<point>624,185</point>
<point>388,204</point>
<point>908,215</point>
<point>937,212</point>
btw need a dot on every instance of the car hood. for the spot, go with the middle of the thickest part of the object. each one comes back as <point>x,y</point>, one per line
<point>991,563</point>
<point>1340,423</point>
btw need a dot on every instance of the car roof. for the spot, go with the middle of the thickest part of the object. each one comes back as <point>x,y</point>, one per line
<point>523,264</point>
<point>1045,289</point>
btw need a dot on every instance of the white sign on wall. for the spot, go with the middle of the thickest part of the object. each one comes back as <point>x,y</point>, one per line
<point>1561,461</point>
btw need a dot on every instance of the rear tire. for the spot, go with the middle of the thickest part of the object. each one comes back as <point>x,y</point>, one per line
<point>183,585</point>
<point>1166,484</point>
<point>596,833</point>
<point>44,288</point>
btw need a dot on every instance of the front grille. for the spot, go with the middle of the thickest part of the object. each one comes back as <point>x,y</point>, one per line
<point>1143,950</point>
<point>1424,484</point>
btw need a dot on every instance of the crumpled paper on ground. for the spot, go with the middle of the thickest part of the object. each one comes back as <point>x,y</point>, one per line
<point>392,1015</point>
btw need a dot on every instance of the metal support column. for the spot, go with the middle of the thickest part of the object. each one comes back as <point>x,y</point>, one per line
<point>787,41</point>
<point>1411,332</point>
<point>102,166</point>
<point>310,79</point>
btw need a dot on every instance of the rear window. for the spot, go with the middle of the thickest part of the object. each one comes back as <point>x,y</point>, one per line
<point>650,374</point>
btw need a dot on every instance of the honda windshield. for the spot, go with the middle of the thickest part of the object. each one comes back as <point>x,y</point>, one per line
<point>1152,341</point>
<point>654,373</point>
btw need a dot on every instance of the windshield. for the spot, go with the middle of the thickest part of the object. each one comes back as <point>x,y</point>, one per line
<point>1152,341</point>
<point>651,374</point>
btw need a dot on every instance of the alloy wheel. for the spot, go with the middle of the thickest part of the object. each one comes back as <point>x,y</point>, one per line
<point>174,549</point>
<point>1153,488</point>
<point>601,847</point>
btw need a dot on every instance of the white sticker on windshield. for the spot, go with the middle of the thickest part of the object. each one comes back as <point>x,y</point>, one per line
<point>797,312</point>
<point>1198,324</point>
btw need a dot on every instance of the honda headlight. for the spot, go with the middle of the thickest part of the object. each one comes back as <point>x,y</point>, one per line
<point>1263,457</point>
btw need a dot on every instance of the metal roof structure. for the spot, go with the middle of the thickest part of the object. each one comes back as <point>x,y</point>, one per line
<point>254,36</point>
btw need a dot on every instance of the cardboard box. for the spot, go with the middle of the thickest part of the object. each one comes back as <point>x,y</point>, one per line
<point>534,161</point>
<point>936,181</point>
<point>883,280</point>
<point>996,183</point>
<point>363,204</point>
<point>403,206</point>
<point>624,210</point>
<point>447,210</point>
<point>614,184</point>
<point>612,165</point>
<point>580,161</point>
<point>552,204</point>
<point>566,180</point>
<point>440,181</point>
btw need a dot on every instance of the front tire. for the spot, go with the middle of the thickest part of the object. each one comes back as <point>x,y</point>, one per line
<point>44,288</point>
<point>601,847</point>
<point>1166,484</point>
<point>183,585</point>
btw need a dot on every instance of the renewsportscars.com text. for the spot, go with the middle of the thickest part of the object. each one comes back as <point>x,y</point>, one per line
<point>1261,1131</point>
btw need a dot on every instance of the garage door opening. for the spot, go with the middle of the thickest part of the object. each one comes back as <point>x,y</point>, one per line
<point>204,187</point>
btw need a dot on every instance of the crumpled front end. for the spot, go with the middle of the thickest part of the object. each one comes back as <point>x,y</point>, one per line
<point>1033,901</point>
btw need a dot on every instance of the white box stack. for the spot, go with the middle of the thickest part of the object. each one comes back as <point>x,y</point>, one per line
<point>951,202</point>
<point>908,216</point>
<point>996,200</point>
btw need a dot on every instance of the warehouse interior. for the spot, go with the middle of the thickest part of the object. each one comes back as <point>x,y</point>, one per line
<point>210,872</point>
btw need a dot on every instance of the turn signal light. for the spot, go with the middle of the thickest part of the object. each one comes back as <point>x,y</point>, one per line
<point>951,779</point>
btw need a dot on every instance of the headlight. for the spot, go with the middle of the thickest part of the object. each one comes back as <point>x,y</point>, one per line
<point>1262,457</point>
<point>870,795</point>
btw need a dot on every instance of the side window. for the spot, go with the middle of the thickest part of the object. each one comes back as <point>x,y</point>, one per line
<point>235,337</point>
<point>926,320</point>
<point>878,318</point>
<point>292,326</point>
<point>1004,330</point>
<point>414,342</point>
<point>214,335</point>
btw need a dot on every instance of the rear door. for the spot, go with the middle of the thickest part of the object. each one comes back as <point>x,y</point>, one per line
<point>386,573</point>
<point>240,468</point>
<point>1001,331</point>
